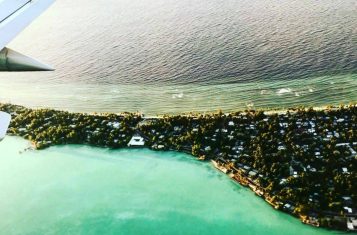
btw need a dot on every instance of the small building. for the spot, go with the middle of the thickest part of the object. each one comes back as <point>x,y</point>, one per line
<point>347,210</point>
<point>347,201</point>
<point>136,141</point>
<point>160,146</point>
<point>178,128</point>
<point>345,170</point>
<point>283,181</point>
<point>289,207</point>
<point>281,147</point>
<point>312,169</point>
<point>252,174</point>
<point>352,224</point>
<point>116,125</point>
<point>340,120</point>
<point>284,125</point>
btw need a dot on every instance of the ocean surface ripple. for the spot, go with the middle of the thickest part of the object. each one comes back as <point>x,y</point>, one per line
<point>167,56</point>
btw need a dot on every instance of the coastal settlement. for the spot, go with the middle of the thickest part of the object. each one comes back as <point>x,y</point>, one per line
<point>302,161</point>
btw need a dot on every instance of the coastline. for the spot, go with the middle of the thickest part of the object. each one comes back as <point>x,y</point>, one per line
<point>267,111</point>
<point>155,135</point>
<point>244,181</point>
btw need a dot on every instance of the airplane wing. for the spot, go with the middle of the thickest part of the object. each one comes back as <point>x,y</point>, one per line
<point>15,16</point>
<point>4,124</point>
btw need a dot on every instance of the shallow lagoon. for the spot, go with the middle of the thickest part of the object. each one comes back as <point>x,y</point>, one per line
<point>85,190</point>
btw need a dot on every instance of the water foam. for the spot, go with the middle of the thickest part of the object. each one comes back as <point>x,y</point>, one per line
<point>284,91</point>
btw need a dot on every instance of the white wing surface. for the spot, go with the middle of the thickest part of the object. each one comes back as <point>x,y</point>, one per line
<point>15,16</point>
<point>4,124</point>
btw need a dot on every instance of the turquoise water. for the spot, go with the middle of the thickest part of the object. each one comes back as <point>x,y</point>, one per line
<point>169,56</point>
<point>175,99</point>
<point>85,190</point>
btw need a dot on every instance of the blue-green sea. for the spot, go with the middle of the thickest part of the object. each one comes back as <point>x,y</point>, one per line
<point>156,57</point>
<point>85,190</point>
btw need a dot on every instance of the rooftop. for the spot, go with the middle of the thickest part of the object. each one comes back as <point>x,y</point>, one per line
<point>136,141</point>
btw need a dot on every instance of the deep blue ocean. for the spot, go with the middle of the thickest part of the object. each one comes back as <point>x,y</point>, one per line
<point>167,56</point>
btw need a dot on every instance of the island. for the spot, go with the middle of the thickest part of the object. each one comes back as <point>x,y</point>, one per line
<point>301,161</point>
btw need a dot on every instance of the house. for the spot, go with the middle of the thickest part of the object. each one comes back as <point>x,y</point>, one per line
<point>352,224</point>
<point>353,152</point>
<point>312,169</point>
<point>178,128</point>
<point>160,146</point>
<point>115,125</point>
<point>247,168</point>
<point>345,170</point>
<point>281,147</point>
<point>288,207</point>
<point>318,155</point>
<point>342,144</point>
<point>313,220</point>
<point>283,181</point>
<point>136,141</point>
<point>347,200</point>
<point>336,134</point>
<point>252,173</point>
<point>284,125</point>
<point>340,120</point>
<point>347,209</point>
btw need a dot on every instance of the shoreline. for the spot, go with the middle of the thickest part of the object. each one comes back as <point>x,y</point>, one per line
<point>267,111</point>
<point>247,183</point>
<point>228,140</point>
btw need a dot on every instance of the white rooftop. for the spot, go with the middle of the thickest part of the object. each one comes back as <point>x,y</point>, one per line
<point>348,209</point>
<point>136,141</point>
<point>4,124</point>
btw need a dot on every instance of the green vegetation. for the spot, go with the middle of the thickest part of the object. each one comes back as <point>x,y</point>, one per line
<point>49,127</point>
<point>302,161</point>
